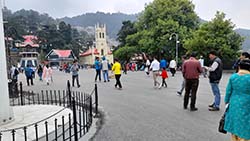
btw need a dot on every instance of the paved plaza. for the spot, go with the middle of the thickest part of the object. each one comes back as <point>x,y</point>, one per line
<point>139,112</point>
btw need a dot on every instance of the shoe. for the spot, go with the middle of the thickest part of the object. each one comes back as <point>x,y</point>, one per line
<point>214,109</point>
<point>159,87</point>
<point>184,107</point>
<point>178,93</point>
<point>104,81</point>
<point>115,85</point>
<point>78,86</point>
<point>193,109</point>
<point>211,106</point>
<point>108,80</point>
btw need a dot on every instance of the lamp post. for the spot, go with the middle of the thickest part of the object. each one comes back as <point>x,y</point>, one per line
<point>176,45</point>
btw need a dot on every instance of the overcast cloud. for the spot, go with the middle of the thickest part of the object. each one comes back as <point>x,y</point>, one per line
<point>237,10</point>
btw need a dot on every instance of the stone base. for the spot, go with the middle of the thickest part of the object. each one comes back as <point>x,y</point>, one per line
<point>28,115</point>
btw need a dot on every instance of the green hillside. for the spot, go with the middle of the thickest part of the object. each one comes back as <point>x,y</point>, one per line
<point>246,34</point>
<point>113,21</point>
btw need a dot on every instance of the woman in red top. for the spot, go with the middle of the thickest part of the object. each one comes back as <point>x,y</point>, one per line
<point>164,75</point>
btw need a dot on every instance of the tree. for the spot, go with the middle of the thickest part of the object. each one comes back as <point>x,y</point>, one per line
<point>218,35</point>
<point>158,21</point>
<point>125,53</point>
<point>127,28</point>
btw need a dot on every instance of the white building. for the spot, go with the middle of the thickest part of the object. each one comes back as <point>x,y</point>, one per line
<point>100,48</point>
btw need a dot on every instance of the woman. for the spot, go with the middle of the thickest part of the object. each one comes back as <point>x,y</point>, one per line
<point>40,72</point>
<point>116,68</point>
<point>237,119</point>
<point>47,74</point>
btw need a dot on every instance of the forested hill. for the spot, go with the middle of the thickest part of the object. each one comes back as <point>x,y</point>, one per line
<point>246,34</point>
<point>113,21</point>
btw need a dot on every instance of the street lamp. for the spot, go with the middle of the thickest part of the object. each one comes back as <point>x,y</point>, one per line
<point>176,45</point>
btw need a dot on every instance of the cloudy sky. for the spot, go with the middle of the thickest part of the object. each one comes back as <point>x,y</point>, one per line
<point>237,10</point>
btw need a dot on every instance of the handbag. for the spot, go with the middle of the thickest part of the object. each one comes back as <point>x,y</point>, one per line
<point>222,122</point>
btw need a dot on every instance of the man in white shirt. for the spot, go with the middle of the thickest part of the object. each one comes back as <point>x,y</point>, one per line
<point>172,67</point>
<point>155,67</point>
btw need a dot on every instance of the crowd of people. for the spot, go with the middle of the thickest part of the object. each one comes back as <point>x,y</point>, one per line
<point>237,92</point>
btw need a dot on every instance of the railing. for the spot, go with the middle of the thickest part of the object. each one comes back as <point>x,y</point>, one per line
<point>72,127</point>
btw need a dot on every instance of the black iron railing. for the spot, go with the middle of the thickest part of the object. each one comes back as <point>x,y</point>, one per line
<point>72,127</point>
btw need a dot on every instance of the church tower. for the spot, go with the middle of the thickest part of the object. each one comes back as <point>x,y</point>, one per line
<point>101,42</point>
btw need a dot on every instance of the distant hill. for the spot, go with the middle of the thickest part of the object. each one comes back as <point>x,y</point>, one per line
<point>246,34</point>
<point>113,21</point>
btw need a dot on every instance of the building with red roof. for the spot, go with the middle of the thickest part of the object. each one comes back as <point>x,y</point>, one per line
<point>30,44</point>
<point>58,57</point>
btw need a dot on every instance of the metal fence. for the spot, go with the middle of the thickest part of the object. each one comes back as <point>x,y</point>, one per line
<point>71,127</point>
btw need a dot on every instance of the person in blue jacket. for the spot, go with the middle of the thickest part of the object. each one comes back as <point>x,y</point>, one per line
<point>97,68</point>
<point>28,73</point>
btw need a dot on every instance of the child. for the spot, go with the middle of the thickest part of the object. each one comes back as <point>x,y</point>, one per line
<point>164,75</point>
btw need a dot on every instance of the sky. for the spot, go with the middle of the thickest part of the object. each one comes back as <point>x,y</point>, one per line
<point>236,10</point>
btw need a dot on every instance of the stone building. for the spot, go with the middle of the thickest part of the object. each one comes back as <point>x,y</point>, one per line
<point>99,49</point>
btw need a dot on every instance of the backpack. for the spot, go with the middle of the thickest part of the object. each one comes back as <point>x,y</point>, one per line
<point>16,72</point>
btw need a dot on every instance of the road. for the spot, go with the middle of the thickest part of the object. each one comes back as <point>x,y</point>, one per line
<point>139,112</point>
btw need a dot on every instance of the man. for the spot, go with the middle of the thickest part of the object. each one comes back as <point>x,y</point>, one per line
<point>244,55</point>
<point>14,73</point>
<point>163,63</point>
<point>215,74</point>
<point>74,69</point>
<point>98,69</point>
<point>155,67</point>
<point>28,73</point>
<point>172,67</point>
<point>183,59</point>
<point>116,68</point>
<point>105,69</point>
<point>191,71</point>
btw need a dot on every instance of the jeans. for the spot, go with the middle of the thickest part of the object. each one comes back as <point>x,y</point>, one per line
<point>77,80</point>
<point>182,86</point>
<point>216,92</point>
<point>98,72</point>
<point>191,86</point>
<point>29,78</point>
<point>105,75</point>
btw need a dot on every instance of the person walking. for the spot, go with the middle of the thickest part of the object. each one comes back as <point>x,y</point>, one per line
<point>40,72</point>
<point>179,93</point>
<point>47,74</point>
<point>98,69</point>
<point>238,97</point>
<point>163,63</point>
<point>201,60</point>
<point>28,73</point>
<point>14,73</point>
<point>172,67</point>
<point>155,67</point>
<point>215,74</point>
<point>164,76</point>
<point>75,69</point>
<point>105,69</point>
<point>116,68</point>
<point>191,71</point>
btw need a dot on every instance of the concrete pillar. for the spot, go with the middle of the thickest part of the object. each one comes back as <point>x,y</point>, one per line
<point>6,112</point>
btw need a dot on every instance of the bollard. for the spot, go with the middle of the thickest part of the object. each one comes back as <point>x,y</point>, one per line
<point>21,93</point>
<point>96,100</point>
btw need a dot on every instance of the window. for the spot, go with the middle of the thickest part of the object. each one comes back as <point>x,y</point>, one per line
<point>102,35</point>
<point>102,52</point>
